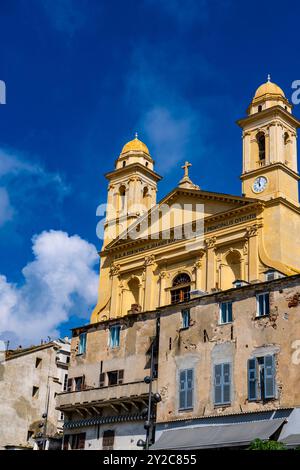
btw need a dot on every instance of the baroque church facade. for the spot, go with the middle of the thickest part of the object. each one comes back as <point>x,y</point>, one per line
<point>202,305</point>
<point>240,234</point>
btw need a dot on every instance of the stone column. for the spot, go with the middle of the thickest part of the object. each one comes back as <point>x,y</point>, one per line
<point>252,235</point>
<point>210,263</point>
<point>246,152</point>
<point>149,264</point>
<point>114,275</point>
<point>162,286</point>
<point>197,267</point>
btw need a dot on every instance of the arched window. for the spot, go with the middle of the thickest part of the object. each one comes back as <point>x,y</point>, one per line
<point>287,149</point>
<point>122,193</point>
<point>124,163</point>
<point>181,287</point>
<point>261,142</point>
<point>259,108</point>
<point>145,192</point>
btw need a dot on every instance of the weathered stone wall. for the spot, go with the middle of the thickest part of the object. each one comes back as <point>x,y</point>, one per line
<point>207,342</point>
<point>20,411</point>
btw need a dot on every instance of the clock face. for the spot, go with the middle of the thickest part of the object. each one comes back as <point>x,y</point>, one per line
<point>259,184</point>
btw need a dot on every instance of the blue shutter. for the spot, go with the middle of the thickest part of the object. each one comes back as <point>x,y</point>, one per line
<point>182,389</point>
<point>190,388</point>
<point>112,336</point>
<point>218,383</point>
<point>117,338</point>
<point>269,377</point>
<point>223,312</point>
<point>267,304</point>
<point>252,379</point>
<point>229,312</point>
<point>226,383</point>
<point>260,305</point>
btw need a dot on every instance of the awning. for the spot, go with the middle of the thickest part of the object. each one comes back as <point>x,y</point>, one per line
<point>225,435</point>
<point>292,440</point>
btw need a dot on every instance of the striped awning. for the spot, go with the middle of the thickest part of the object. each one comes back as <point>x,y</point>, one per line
<point>82,423</point>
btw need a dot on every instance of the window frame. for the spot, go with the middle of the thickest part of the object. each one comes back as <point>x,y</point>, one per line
<point>114,341</point>
<point>261,388</point>
<point>262,295</point>
<point>82,344</point>
<point>227,313</point>
<point>223,384</point>
<point>185,322</point>
<point>186,389</point>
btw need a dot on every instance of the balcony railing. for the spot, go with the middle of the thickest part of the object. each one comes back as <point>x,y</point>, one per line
<point>99,396</point>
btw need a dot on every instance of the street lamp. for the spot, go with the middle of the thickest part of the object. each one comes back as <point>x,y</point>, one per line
<point>153,398</point>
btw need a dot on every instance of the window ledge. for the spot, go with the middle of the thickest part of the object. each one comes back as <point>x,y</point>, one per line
<point>257,317</point>
<point>183,328</point>
<point>182,410</point>
<point>225,323</point>
<point>222,405</point>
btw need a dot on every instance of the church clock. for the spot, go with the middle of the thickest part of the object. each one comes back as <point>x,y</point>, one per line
<point>259,184</point>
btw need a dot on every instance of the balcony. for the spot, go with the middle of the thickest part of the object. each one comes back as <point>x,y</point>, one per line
<point>134,393</point>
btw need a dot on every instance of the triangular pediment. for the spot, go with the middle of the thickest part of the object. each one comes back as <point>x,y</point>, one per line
<point>180,206</point>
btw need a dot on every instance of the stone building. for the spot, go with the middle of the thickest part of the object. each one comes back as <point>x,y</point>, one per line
<point>30,379</point>
<point>207,279</point>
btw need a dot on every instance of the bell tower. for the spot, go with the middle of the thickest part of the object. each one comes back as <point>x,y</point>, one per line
<point>132,188</point>
<point>270,146</point>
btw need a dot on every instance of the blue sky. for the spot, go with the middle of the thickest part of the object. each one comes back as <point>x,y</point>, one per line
<point>82,76</point>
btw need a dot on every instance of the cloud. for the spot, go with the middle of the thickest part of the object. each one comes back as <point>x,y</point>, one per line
<point>58,283</point>
<point>66,16</point>
<point>25,185</point>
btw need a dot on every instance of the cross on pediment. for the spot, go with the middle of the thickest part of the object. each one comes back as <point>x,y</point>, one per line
<point>185,167</point>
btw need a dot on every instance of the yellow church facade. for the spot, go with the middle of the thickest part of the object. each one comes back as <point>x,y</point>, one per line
<point>147,261</point>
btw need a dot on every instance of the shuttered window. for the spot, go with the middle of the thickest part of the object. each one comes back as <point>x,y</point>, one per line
<point>252,379</point>
<point>186,389</point>
<point>261,378</point>
<point>222,384</point>
<point>108,440</point>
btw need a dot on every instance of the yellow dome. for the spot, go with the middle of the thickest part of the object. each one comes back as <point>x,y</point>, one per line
<point>135,145</point>
<point>268,88</point>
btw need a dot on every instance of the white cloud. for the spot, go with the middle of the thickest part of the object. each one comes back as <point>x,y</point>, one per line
<point>58,283</point>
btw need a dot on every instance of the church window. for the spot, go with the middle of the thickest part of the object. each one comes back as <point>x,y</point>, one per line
<point>261,141</point>
<point>260,108</point>
<point>180,290</point>
<point>124,164</point>
<point>122,192</point>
